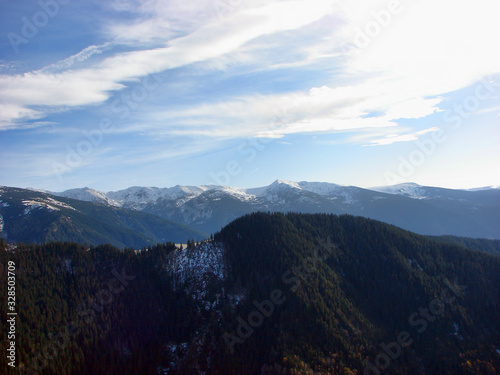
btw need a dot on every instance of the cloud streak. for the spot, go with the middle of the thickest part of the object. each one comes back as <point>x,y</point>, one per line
<point>320,110</point>
<point>95,84</point>
<point>404,73</point>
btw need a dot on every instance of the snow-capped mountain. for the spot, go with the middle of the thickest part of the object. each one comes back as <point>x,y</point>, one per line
<point>89,195</point>
<point>422,209</point>
<point>409,189</point>
<point>33,216</point>
<point>485,195</point>
<point>137,197</point>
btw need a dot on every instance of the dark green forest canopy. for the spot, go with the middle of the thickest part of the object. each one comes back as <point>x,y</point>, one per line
<point>346,284</point>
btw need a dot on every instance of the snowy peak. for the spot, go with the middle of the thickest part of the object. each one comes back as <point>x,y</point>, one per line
<point>283,184</point>
<point>137,197</point>
<point>287,183</point>
<point>409,189</point>
<point>88,195</point>
<point>136,194</point>
<point>416,191</point>
<point>320,188</point>
<point>179,191</point>
<point>141,198</point>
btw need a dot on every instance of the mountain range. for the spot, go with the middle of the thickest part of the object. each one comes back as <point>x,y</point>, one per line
<point>141,216</point>
<point>421,209</point>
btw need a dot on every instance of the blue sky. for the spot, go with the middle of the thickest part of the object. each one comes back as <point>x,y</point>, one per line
<point>159,93</point>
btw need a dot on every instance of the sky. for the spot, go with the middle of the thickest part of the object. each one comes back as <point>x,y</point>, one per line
<point>119,93</point>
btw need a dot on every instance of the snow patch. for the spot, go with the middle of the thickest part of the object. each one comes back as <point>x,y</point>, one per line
<point>198,270</point>
<point>321,188</point>
<point>59,203</point>
<point>141,196</point>
<point>408,189</point>
<point>455,325</point>
<point>88,195</point>
<point>33,205</point>
<point>68,266</point>
<point>48,203</point>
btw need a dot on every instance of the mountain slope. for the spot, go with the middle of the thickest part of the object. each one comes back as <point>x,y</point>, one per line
<point>33,216</point>
<point>355,284</point>
<point>479,244</point>
<point>424,210</point>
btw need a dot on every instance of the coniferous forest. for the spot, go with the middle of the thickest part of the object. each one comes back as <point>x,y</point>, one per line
<point>269,294</point>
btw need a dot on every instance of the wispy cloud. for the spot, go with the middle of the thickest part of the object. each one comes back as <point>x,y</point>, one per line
<point>394,138</point>
<point>79,57</point>
<point>321,109</point>
<point>95,83</point>
<point>404,73</point>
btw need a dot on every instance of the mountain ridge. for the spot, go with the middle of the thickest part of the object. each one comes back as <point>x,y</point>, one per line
<point>422,209</point>
<point>132,193</point>
<point>34,216</point>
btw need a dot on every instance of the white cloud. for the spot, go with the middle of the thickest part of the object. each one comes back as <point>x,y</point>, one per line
<point>94,84</point>
<point>433,47</point>
<point>322,109</point>
<point>406,70</point>
<point>393,138</point>
<point>79,57</point>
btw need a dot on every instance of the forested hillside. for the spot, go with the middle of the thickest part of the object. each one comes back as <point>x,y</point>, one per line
<point>271,294</point>
<point>349,285</point>
<point>92,311</point>
<point>480,244</point>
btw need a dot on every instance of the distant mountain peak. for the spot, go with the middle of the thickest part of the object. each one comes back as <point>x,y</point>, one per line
<point>492,187</point>
<point>281,183</point>
<point>422,209</point>
<point>409,189</point>
<point>88,195</point>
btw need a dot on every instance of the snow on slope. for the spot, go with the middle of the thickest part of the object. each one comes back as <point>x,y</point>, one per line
<point>320,188</point>
<point>47,203</point>
<point>492,187</point>
<point>198,270</point>
<point>408,189</point>
<point>88,195</point>
<point>137,197</point>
